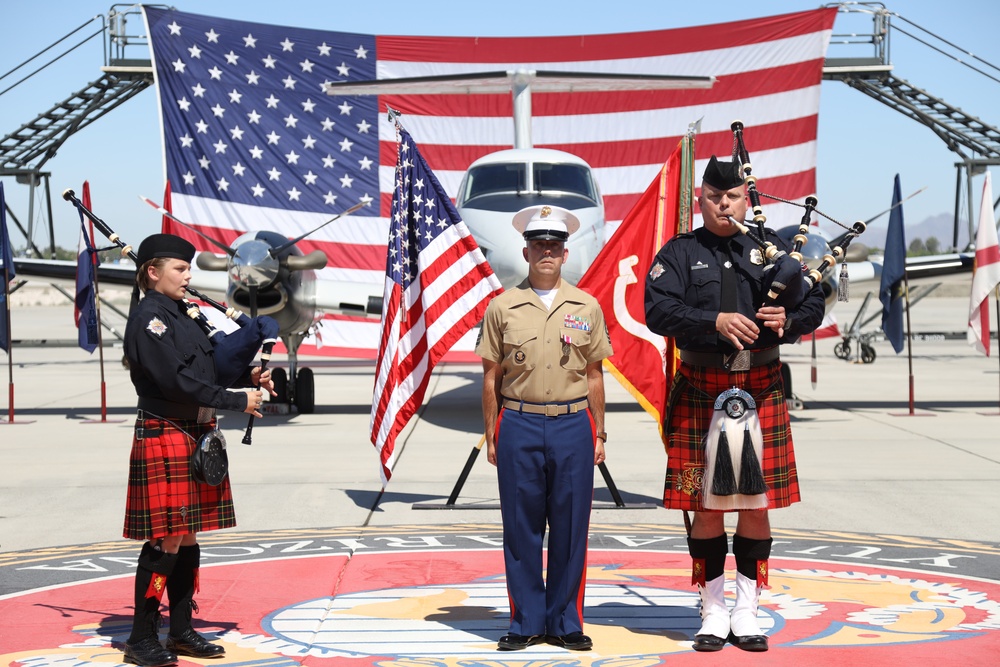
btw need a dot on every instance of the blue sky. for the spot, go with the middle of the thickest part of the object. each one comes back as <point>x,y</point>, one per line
<point>862,143</point>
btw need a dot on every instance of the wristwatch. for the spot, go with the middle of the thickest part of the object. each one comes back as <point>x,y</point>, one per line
<point>603,435</point>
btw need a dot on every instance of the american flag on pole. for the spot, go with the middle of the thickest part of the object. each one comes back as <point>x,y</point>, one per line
<point>437,287</point>
<point>251,141</point>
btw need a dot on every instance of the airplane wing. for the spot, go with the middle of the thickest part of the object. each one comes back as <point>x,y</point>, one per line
<point>347,297</point>
<point>939,265</point>
<point>63,272</point>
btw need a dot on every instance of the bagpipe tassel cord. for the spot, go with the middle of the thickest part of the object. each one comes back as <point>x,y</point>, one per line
<point>843,288</point>
<point>751,476</point>
<point>723,476</point>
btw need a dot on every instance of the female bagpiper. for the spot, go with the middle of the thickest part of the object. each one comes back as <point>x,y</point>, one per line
<point>171,364</point>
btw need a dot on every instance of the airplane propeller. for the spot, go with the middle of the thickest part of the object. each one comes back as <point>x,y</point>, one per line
<point>219,244</point>
<point>277,251</point>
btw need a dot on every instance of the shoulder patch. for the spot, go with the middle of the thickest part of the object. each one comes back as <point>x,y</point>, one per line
<point>156,327</point>
<point>656,271</point>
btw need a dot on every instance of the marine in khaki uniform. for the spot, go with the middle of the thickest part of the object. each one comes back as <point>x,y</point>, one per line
<point>542,344</point>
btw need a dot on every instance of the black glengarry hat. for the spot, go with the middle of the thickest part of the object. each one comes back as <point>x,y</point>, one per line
<point>164,245</point>
<point>723,175</point>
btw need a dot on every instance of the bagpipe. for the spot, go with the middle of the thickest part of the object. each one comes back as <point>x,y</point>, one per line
<point>233,351</point>
<point>790,279</point>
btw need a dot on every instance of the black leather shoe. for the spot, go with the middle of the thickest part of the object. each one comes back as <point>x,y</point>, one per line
<point>512,642</point>
<point>708,643</point>
<point>191,643</point>
<point>149,652</point>
<point>756,643</point>
<point>574,641</point>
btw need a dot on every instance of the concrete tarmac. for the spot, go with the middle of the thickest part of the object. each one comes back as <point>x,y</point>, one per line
<point>867,463</point>
<point>893,555</point>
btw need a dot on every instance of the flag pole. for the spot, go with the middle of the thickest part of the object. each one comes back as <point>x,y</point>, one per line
<point>465,471</point>
<point>10,347</point>
<point>996,298</point>
<point>100,349</point>
<point>909,335</point>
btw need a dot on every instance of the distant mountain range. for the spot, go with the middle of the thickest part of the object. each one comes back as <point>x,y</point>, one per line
<point>939,226</point>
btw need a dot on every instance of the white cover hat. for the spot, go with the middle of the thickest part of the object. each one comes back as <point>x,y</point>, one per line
<point>545,222</point>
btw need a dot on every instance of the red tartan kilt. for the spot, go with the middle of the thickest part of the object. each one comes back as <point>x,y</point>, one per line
<point>162,498</point>
<point>692,402</point>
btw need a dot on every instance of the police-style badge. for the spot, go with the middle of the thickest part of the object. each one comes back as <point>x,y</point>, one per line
<point>656,271</point>
<point>755,257</point>
<point>156,327</point>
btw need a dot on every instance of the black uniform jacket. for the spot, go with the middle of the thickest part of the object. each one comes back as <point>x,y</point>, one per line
<point>170,357</point>
<point>684,292</point>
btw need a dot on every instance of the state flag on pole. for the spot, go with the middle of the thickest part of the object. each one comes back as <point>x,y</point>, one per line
<point>437,287</point>
<point>893,272</point>
<point>7,258</point>
<point>643,361</point>
<point>85,305</point>
<point>986,274</point>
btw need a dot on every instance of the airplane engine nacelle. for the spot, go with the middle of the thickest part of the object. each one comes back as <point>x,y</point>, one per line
<point>285,284</point>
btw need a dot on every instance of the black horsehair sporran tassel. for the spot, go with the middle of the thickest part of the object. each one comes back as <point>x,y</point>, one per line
<point>724,477</point>
<point>751,477</point>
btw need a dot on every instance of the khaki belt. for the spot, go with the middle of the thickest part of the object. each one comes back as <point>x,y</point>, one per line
<point>735,361</point>
<point>547,409</point>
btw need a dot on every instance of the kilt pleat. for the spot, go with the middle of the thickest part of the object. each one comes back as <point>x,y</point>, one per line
<point>692,402</point>
<point>163,499</point>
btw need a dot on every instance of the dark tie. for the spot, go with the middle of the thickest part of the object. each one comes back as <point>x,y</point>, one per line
<point>729,300</point>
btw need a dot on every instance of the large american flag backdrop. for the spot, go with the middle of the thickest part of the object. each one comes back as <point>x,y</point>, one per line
<point>252,141</point>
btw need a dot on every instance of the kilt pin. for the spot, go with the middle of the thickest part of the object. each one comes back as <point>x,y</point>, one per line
<point>546,474</point>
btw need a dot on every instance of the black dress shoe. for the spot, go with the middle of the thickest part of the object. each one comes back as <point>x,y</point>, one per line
<point>191,643</point>
<point>574,641</point>
<point>513,642</point>
<point>149,652</point>
<point>708,643</point>
<point>756,643</point>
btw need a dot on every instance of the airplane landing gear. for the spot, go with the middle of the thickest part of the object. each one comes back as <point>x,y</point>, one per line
<point>303,394</point>
<point>305,391</point>
<point>866,352</point>
<point>280,379</point>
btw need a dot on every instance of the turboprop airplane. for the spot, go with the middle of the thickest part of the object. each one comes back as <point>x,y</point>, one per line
<point>499,184</point>
<point>261,273</point>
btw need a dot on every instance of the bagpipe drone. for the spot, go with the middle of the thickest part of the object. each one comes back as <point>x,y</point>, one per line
<point>790,279</point>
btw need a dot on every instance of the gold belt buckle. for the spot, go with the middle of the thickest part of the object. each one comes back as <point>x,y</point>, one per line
<point>552,410</point>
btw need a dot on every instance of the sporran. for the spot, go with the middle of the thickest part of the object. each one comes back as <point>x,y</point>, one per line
<point>209,461</point>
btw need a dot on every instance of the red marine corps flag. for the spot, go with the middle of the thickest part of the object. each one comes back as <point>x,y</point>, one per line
<point>643,362</point>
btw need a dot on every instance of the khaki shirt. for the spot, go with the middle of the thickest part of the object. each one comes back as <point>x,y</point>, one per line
<point>544,353</point>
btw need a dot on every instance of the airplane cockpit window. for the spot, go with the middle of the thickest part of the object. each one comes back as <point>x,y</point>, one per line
<point>495,178</point>
<point>563,178</point>
<point>505,187</point>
